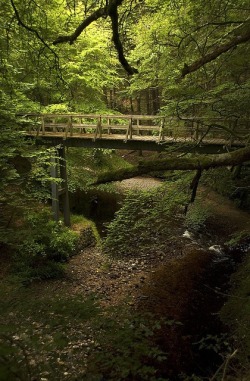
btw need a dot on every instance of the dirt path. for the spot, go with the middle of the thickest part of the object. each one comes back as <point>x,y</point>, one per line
<point>138,183</point>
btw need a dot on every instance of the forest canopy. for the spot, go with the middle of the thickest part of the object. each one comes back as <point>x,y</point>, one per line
<point>157,41</point>
<point>174,58</point>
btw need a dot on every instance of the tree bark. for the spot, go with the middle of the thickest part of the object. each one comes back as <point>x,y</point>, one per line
<point>194,184</point>
<point>199,162</point>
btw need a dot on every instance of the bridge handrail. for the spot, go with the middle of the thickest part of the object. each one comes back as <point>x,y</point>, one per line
<point>134,116</point>
<point>159,127</point>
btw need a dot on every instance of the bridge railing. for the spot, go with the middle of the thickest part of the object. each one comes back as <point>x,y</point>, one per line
<point>137,127</point>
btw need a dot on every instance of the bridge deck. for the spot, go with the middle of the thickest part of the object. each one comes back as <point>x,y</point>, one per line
<point>134,131</point>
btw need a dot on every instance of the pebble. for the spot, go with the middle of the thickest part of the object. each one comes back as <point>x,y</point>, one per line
<point>187,234</point>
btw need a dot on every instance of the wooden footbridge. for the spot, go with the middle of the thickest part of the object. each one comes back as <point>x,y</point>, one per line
<point>139,132</point>
<point>131,132</point>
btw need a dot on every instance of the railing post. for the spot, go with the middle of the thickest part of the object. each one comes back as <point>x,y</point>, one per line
<point>38,130</point>
<point>53,123</point>
<point>43,126</point>
<point>161,130</point>
<point>108,121</point>
<point>69,127</point>
<point>100,126</point>
<point>130,128</point>
<point>138,126</point>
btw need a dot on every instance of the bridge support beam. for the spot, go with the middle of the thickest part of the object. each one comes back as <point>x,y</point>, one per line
<point>59,192</point>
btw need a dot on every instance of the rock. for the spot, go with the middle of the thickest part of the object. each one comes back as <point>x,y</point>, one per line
<point>216,248</point>
<point>187,234</point>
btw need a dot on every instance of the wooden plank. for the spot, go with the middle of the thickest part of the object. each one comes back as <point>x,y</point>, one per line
<point>145,128</point>
<point>43,127</point>
<point>114,126</point>
<point>83,125</point>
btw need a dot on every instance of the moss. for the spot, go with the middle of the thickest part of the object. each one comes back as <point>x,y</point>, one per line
<point>87,232</point>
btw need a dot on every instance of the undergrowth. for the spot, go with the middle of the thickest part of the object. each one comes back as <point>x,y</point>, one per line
<point>147,220</point>
<point>42,335</point>
<point>40,247</point>
<point>85,164</point>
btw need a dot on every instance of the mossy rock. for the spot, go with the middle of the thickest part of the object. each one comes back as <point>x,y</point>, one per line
<point>87,238</point>
<point>87,232</point>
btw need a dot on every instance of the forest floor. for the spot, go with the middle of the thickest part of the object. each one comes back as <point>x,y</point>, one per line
<point>54,327</point>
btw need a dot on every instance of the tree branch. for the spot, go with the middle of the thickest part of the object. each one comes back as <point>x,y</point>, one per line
<point>111,11</point>
<point>32,30</point>
<point>101,12</point>
<point>200,163</point>
<point>242,35</point>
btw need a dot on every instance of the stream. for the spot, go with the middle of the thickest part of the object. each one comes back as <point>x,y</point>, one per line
<point>201,341</point>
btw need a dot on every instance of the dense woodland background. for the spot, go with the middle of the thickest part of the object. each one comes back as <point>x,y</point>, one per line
<point>165,57</point>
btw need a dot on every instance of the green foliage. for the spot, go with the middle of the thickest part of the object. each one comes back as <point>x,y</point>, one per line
<point>238,238</point>
<point>88,233</point>
<point>216,343</point>
<point>220,179</point>
<point>145,222</point>
<point>84,165</point>
<point>45,244</point>
<point>128,350</point>
<point>197,216</point>
<point>58,108</point>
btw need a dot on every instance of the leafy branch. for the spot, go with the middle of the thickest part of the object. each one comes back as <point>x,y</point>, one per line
<point>111,10</point>
<point>241,35</point>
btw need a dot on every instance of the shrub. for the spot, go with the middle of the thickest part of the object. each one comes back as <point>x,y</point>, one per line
<point>46,243</point>
<point>219,179</point>
<point>146,221</point>
<point>197,216</point>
